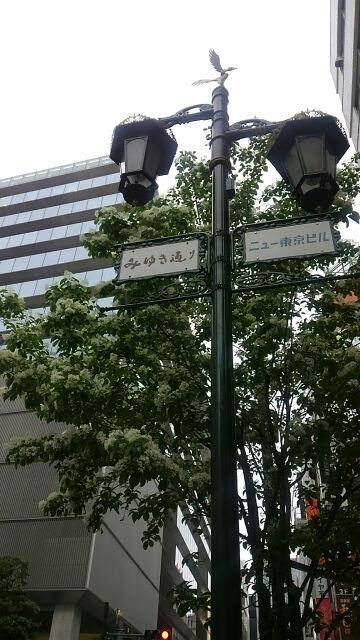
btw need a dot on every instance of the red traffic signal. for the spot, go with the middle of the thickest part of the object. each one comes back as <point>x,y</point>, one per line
<point>157,634</point>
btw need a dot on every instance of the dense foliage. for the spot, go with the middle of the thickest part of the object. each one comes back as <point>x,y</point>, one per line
<point>133,388</point>
<point>18,614</point>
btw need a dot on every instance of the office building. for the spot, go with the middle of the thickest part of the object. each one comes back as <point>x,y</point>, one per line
<point>73,573</point>
<point>345,61</point>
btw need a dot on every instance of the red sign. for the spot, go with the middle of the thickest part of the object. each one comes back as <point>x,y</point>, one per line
<point>311,508</point>
<point>325,613</point>
<point>344,600</point>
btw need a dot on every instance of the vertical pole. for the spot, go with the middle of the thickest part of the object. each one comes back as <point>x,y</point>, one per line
<point>225,552</point>
<point>105,621</point>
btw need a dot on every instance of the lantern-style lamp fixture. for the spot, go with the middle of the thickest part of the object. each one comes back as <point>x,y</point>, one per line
<point>306,153</point>
<point>143,150</point>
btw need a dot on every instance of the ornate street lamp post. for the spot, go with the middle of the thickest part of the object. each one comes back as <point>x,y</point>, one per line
<point>305,153</point>
<point>144,150</point>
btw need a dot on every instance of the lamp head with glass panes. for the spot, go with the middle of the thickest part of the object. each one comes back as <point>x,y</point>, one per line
<point>305,153</point>
<point>143,150</point>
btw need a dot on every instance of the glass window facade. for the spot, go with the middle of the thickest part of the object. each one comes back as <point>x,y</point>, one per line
<point>43,235</point>
<point>53,233</point>
<point>357,71</point>
<point>185,531</point>
<point>43,259</point>
<point>102,302</point>
<point>62,209</point>
<point>206,544</point>
<point>183,569</point>
<point>12,241</point>
<point>35,261</point>
<point>56,190</point>
<point>55,171</point>
<point>38,287</point>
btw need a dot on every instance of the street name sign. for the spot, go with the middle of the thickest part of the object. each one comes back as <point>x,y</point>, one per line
<point>266,243</point>
<point>156,258</point>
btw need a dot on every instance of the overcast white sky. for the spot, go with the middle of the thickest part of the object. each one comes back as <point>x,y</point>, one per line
<point>71,70</point>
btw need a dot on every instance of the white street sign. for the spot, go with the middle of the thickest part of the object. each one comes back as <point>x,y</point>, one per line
<point>320,586</point>
<point>165,259</point>
<point>289,241</point>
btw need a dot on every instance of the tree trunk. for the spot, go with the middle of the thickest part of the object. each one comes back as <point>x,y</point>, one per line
<point>264,612</point>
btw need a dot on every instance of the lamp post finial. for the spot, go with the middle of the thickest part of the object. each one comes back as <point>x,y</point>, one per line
<point>224,73</point>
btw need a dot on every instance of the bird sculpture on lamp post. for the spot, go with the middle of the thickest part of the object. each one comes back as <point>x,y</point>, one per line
<point>224,73</point>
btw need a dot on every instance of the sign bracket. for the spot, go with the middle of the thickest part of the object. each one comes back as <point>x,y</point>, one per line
<point>194,282</point>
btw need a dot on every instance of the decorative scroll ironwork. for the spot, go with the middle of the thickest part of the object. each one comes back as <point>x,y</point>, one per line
<point>276,279</point>
<point>251,128</point>
<point>250,122</point>
<point>185,287</point>
<point>202,112</point>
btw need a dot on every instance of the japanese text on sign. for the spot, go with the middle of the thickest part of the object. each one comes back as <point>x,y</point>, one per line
<point>320,586</point>
<point>159,260</point>
<point>344,601</point>
<point>290,241</point>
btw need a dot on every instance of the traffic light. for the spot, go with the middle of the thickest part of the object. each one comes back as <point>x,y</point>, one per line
<point>157,634</point>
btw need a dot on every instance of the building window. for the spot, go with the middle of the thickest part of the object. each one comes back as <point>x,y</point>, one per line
<point>57,190</point>
<point>357,70</point>
<point>36,261</point>
<point>30,238</point>
<point>9,220</point>
<point>341,29</point>
<point>5,200</point>
<point>14,241</point>
<point>112,177</point>
<point>30,195</point>
<point>90,278</point>
<point>37,214</point>
<point>7,265</point>
<point>42,236</point>
<point>68,255</point>
<point>58,232</point>
<point>17,198</point>
<point>206,544</point>
<point>185,532</point>
<point>51,212</point>
<point>26,289</point>
<point>184,570</point>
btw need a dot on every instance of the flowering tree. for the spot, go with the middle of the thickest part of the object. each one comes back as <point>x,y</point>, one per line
<point>134,389</point>
<point>18,614</point>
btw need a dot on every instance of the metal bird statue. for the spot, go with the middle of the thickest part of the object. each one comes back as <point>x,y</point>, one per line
<point>215,61</point>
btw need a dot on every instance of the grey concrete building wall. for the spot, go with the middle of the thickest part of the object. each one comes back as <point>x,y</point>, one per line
<point>122,573</point>
<point>345,61</point>
<point>57,549</point>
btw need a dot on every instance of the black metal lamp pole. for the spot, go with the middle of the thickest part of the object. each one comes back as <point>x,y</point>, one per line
<point>225,551</point>
<point>312,186</point>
